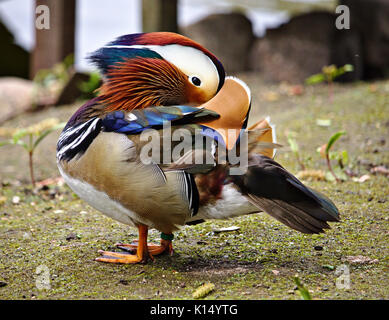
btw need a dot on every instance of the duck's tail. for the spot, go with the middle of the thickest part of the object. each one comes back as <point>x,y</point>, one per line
<point>276,191</point>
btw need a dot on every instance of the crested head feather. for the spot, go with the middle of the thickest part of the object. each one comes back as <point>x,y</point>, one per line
<point>163,39</point>
<point>142,45</point>
<point>107,58</point>
<point>160,68</point>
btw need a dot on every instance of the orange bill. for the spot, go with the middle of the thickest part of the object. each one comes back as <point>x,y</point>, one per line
<point>232,103</point>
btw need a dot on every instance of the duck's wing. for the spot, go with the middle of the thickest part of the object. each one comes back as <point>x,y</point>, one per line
<point>133,124</point>
<point>139,120</point>
<point>79,134</point>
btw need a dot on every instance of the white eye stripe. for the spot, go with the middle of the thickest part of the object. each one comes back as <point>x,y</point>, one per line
<point>171,51</point>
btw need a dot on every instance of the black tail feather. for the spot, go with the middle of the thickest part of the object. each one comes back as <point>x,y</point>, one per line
<point>277,192</point>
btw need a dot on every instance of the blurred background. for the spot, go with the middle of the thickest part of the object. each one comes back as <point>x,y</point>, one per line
<point>280,40</point>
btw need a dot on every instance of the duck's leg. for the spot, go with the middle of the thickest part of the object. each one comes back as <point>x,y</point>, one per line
<point>154,249</point>
<point>141,256</point>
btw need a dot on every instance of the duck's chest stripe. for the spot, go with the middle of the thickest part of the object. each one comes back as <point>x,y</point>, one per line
<point>76,139</point>
<point>190,191</point>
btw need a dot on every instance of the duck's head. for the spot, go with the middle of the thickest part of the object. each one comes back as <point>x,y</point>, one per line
<point>159,68</point>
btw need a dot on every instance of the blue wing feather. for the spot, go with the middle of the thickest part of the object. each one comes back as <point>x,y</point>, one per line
<point>137,121</point>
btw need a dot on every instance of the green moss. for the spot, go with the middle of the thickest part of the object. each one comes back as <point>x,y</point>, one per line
<point>258,261</point>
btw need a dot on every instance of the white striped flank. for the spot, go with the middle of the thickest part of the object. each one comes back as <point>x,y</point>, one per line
<point>72,130</point>
<point>75,137</point>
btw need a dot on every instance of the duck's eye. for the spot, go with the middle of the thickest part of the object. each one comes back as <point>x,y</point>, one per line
<point>196,81</point>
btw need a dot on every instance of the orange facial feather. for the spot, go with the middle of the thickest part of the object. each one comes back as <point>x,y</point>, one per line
<point>143,82</point>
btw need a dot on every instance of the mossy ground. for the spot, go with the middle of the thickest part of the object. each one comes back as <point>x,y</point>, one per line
<point>256,262</point>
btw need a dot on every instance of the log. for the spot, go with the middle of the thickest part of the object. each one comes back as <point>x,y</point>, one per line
<point>159,15</point>
<point>52,45</point>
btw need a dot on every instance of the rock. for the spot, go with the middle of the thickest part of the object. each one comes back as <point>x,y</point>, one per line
<point>301,47</point>
<point>296,49</point>
<point>347,48</point>
<point>71,236</point>
<point>124,282</point>
<point>371,19</point>
<point>71,92</point>
<point>14,60</point>
<point>229,36</point>
<point>19,95</point>
<point>16,96</point>
<point>15,200</point>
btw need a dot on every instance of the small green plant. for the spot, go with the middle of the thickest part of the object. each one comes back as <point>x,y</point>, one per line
<point>89,87</point>
<point>329,74</point>
<point>304,293</point>
<point>30,137</point>
<point>60,72</point>
<point>50,82</point>
<point>340,156</point>
<point>295,149</point>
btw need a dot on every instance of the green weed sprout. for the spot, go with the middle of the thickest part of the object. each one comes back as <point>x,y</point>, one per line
<point>329,74</point>
<point>51,81</point>
<point>304,293</point>
<point>295,149</point>
<point>30,137</point>
<point>58,73</point>
<point>341,157</point>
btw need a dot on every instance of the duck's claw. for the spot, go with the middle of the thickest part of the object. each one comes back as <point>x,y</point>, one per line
<point>116,257</point>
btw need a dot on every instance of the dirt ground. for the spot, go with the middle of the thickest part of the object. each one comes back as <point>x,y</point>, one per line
<point>49,238</point>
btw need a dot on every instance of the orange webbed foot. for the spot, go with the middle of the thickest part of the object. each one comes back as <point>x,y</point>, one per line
<point>154,249</point>
<point>115,257</point>
<point>140,250</point>
<point>141,256</point>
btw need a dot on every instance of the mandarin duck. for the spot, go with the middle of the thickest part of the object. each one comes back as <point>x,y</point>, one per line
<point>157,82</point>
